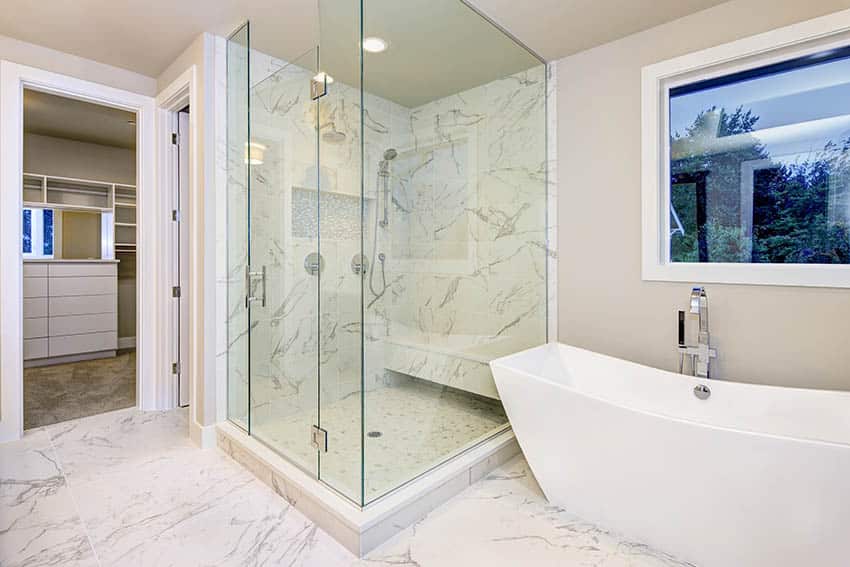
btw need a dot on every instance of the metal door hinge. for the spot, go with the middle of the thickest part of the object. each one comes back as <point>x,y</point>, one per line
<point>175,139</point>
<point>175,368</point>
<point>250,276</point>
<point>318,89</point>
<point>175,215</point>
<point>319,439</point>
<point>175,291</point>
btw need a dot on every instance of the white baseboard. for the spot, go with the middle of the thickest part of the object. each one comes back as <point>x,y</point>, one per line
<point>126,342</point>
<point>202,435</point>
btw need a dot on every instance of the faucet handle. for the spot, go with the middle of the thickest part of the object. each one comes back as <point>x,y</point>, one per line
<point>696,294</point>
<point>681,328</point>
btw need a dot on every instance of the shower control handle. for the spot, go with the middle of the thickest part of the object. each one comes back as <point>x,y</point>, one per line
<point>314,263</point>
<point>359,264</point>
<point>249,286</point>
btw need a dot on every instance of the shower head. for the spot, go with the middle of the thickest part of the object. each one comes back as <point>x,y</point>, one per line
<point>332,135</point>
<point>384,164</point>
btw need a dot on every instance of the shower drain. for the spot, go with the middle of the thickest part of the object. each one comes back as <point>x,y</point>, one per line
<point>374,434</point>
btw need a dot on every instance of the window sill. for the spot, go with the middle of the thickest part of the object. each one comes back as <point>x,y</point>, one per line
<point>801,275</point>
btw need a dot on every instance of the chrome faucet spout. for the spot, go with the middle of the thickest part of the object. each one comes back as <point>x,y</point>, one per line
<point>702,353</point>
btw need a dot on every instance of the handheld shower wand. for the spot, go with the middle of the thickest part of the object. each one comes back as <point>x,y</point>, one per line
<point>384,183</point>
<point>384,187</point>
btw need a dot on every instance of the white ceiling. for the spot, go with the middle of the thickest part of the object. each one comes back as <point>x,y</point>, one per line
<point>436,48</point>
<point>60,117</point>
<point>146,36</point>
<point>557,28</point>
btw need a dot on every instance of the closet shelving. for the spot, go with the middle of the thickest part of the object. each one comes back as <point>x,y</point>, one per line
<point>124,205</point>
<point>68,193</point>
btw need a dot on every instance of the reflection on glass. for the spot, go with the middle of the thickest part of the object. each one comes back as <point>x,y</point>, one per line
<point>759,165</point>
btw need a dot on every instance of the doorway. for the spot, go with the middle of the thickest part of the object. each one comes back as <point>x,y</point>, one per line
<point>179,255</point>
<point>78,246</point>
<point>151,292</point>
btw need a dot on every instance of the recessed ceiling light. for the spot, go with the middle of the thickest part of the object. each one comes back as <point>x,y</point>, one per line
<point>322,77</point>
<point>375,44</point>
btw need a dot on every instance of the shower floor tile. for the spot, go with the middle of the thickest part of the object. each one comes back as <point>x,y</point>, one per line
<point>409,429</point>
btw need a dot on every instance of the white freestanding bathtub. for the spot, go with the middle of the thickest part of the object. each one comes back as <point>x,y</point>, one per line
<point>751,476</point>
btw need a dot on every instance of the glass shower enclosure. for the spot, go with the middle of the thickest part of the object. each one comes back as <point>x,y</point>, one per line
<point>386,226</point>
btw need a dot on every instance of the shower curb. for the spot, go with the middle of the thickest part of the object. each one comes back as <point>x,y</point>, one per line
<point>362,530</point>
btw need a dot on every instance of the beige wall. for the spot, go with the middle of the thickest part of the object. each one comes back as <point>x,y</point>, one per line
<point>777,335</point>
<point>80,235</point>
<point>51,60</point>
<point>68,158</point>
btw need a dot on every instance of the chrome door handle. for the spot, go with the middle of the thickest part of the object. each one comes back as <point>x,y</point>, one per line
<point>249,286</point>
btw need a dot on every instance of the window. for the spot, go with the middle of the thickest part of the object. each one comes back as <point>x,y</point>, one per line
<point>37,233</point>
<point>759,164</point>
<point>747,179</point>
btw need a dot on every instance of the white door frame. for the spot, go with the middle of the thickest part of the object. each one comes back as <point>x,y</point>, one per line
<point>150,293</point>
<point>183,92</point>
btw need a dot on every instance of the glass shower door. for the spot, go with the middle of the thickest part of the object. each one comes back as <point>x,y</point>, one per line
<point>283,269</point>
<point>295,267</point>
<point>341,213</point>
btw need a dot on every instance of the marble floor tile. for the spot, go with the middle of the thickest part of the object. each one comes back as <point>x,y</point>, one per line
<point>78,389</point>
<point>129,489</point>
<point>39,524</point>
<point>90,447</point>
<point>504,520</point>
<point>197,508</point>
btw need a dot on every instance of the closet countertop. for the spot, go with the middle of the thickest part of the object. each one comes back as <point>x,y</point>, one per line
<point>68,261</point>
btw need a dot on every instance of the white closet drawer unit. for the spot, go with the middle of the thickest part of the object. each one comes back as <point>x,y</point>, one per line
<point>35,328</point>
<point>35,287</point>
<point>35,270</point>
<point>35,307</point>
<point>80,324</point>
<point>75,344</point>
<point>97,285</point>
<point>82,270</point>
<point>35,348</point>
<point>82,305</point>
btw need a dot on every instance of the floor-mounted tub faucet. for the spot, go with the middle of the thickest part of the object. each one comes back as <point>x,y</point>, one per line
<point>702,353</point>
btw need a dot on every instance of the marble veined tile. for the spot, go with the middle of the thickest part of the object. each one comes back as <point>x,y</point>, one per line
<point>504,520</point>
<point>39,524</point>
<point>137,492</point>
<point>198,508</point>
<point>89,447</point>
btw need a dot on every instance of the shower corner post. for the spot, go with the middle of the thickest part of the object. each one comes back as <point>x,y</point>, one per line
<point>551,195</point>
<point>363,221</point>
<point>238,182</point>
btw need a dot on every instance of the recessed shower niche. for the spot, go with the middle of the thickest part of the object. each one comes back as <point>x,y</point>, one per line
<point>386,240</point>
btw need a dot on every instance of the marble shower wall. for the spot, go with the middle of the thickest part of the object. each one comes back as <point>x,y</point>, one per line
<point>467,236</point>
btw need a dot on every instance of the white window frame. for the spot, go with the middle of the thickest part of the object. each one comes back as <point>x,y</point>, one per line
<point>778,45</point>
